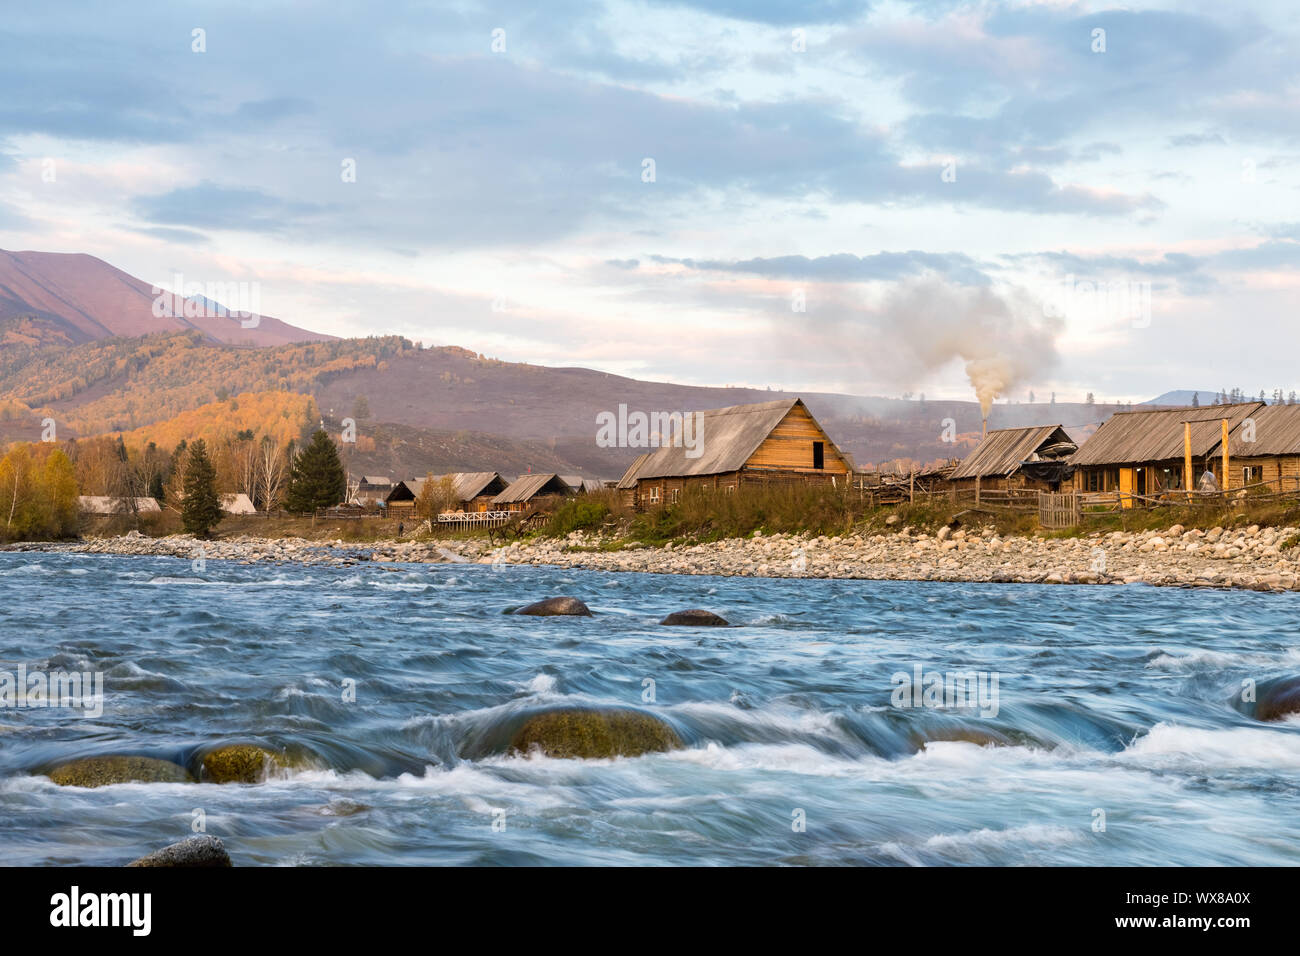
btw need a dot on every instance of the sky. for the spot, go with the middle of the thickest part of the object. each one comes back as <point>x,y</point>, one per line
<point>872,198</point>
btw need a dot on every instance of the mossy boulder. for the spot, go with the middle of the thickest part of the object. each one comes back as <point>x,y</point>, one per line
<point>242,763</point>
<point>556,607</point>
<point>1279,699</point>
<point>594,733</point>
<point>695,617</point>
<point>105,771</point>
<point>198,852</point>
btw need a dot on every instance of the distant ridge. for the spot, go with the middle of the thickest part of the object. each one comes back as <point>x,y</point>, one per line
<point>1184,396</point>
<point>83,299</point>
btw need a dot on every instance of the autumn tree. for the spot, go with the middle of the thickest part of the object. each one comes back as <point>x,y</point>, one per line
<point>38,493</point>
<point>436,496</point>
<point>317,479</point>
<point>200,506</point>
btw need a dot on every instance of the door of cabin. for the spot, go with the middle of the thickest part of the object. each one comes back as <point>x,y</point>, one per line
<point>1126,487</point>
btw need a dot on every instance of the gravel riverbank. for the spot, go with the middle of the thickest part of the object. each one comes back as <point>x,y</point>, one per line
<point>1253,558</point>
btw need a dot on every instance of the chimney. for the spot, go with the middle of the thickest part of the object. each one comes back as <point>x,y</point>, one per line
<point>986,429</point>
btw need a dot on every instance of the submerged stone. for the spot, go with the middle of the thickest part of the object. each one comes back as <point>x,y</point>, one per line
<point>556,607</point>
<point>105,771</point>
<point>594,733</point>
<point>196,852</point>
<point>695,617</point>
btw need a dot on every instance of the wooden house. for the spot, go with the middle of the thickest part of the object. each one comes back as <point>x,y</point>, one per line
<point>1142,452</point>
<point>740,445</point>
<point>1264,450</point>
<point>533,491</point>
<point>470,491</point>
<point>1009,458</point>
<point>372,489</point>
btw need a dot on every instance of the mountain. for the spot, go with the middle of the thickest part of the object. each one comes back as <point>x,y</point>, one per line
<point>79,344</point>
<point>1183,396</point>
<point>77,298</point>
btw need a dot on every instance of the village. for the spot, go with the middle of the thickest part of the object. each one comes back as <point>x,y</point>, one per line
<point>1190,497</point>
<point>1135,459</point>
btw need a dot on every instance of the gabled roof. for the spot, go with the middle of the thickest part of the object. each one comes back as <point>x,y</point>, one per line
<point>629,477</point>
<point>108,505</point>
<point>1000,453</point>
<point>465,485</point>
<point>1134,437</point>
<point>725,438</point>
<point>1276,432</point>
<point>529,486</point>
<point>237,504</point>
<point>375,480</point>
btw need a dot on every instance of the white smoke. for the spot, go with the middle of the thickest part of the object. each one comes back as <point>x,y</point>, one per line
<point>1004,339</point>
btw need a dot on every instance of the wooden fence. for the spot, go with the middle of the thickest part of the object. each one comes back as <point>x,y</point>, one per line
<point>1059,510</point>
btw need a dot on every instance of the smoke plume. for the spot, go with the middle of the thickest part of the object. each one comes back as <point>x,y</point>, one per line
<point>1004,339</point>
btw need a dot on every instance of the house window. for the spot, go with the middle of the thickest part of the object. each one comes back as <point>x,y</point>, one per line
<point>672,496</point>
<point>819,455</point>
<point>654,494</point>
<point>730,488</point>
<point>1252,474</point>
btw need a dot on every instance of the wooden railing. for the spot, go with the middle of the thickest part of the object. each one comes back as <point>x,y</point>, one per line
<point>475,519</point>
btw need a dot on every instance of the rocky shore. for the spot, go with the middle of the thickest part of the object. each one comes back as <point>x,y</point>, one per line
<point>1253,558</point>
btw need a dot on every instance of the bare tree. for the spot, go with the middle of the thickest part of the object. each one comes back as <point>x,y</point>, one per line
<point>272,472</point>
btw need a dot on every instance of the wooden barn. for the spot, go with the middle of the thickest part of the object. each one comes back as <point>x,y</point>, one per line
<point>743,444</point>
<point>1265,449</point>
<point>1009,458</point>
<point>1143,452</point>
<point>530,492</point>
<point>471,490</point>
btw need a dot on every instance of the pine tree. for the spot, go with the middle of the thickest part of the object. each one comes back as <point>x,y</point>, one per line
<point>200,508</point>
<point>316,479</point>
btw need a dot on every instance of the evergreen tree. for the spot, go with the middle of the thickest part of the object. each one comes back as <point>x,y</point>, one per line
<point>316,479</point>
<point>1196,400</point>
<point>200,507</point>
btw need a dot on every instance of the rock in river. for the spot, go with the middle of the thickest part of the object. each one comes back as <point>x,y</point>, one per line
<point>694,618</point>
<point>1279,699</point>
<point>240,763</point>
<point>589,733</point>
<point>196,852</point>
<point>104,771</point>
<point>556,607</point>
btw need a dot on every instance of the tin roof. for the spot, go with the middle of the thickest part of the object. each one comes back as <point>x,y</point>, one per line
<point>1000,453</point>
<point>1157,435</point>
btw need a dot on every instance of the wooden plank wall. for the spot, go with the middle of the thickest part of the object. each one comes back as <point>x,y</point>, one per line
<point>789,447</point>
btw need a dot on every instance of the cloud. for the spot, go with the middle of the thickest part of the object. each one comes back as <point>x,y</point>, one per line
<point>846,267</point>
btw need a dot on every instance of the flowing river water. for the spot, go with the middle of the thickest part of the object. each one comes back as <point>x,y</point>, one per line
<point>1115,734</point>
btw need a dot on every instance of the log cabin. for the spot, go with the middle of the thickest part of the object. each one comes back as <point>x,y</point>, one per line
<point>737,446</point>
<point>1142,452</point>
<point>471,491</point>
<point>529,492</point>
<point>1007,459</point>
<point>1264,450</point>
